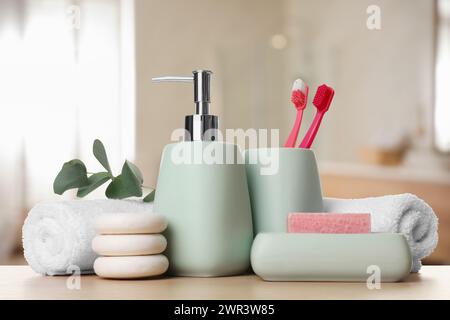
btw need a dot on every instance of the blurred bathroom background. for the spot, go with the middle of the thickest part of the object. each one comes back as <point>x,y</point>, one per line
<point>75,70</point>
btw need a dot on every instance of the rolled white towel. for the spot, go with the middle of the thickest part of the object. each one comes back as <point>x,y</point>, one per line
<point>57,235</point>
<point>402,213</point>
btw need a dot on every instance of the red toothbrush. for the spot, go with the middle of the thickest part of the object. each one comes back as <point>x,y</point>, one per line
<point>322,100</point>
<point>299,98</point>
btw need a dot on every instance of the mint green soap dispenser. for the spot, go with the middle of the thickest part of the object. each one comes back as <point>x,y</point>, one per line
<point>202,190</point>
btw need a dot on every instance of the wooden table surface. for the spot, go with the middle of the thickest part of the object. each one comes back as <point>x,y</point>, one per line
<point>20,282</point>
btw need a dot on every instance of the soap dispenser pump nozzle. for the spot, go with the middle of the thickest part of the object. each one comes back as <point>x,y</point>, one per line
<point>201,125</point>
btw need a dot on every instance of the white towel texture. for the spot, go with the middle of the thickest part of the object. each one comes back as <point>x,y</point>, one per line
<point>402,213</point>
<point>57,236</point>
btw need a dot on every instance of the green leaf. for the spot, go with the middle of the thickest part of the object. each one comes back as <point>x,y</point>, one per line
<point>72,175</point>
<point>100,154</point>
<point>135,170</point>
<point>125,185</point>
<point>95,181</point>
<point>150,197</point>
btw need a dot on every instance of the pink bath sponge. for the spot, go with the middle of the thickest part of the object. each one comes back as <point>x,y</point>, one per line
<point>329,223</point>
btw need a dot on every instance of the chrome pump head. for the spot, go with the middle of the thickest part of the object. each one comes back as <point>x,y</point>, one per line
<point>201,125</point>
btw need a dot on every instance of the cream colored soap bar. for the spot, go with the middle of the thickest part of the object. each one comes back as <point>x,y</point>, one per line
<point>131,267</point>
<point>130,223</point>
<point>129,245</point>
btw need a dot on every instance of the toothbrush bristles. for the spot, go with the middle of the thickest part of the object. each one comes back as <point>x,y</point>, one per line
<point>299,95</point>
<point>323,97</point>
<point>300,85</point>
<point>298,98</point>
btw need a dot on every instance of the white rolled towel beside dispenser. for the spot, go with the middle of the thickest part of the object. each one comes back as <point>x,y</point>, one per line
<point>57,236</point>
<point>402,213</point>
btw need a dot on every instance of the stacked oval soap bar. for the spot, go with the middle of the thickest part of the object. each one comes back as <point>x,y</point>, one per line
<point>130,245</point>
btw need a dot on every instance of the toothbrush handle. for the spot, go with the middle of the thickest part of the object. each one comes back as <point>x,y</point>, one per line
<point>312,131</point>
<point>292,139</point>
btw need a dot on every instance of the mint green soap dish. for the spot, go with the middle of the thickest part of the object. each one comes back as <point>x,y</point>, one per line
<point>331,257</point>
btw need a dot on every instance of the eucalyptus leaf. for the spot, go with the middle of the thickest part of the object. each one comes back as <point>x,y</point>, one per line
<point>95,181</point>
<point>135,170</point>
<point>127,184</point>
<point>100,154</point>
<point>73,174</point>
<point>150,197</point>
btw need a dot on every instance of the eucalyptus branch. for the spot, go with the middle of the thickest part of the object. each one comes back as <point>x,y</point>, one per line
<point>73,175</point>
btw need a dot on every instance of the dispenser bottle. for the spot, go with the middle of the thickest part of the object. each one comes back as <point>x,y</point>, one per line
<point>204,195</point>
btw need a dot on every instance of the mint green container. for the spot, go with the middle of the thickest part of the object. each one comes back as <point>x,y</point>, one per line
<point>331,257</point>
<point>281,181</point>
<point>207,205</point>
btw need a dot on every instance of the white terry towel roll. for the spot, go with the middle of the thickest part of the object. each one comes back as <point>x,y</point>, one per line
<point>402,213</point>
<point>57,235</point>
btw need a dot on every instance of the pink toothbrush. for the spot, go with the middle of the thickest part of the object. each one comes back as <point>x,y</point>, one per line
<point>322,100</point>
<point>299,98</point>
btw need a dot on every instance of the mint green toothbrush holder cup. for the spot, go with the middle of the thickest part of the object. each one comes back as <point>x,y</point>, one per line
<point>281,181</point>
<point>207,205</point>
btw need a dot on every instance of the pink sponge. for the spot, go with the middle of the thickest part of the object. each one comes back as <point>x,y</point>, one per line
<point>329,223</point>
